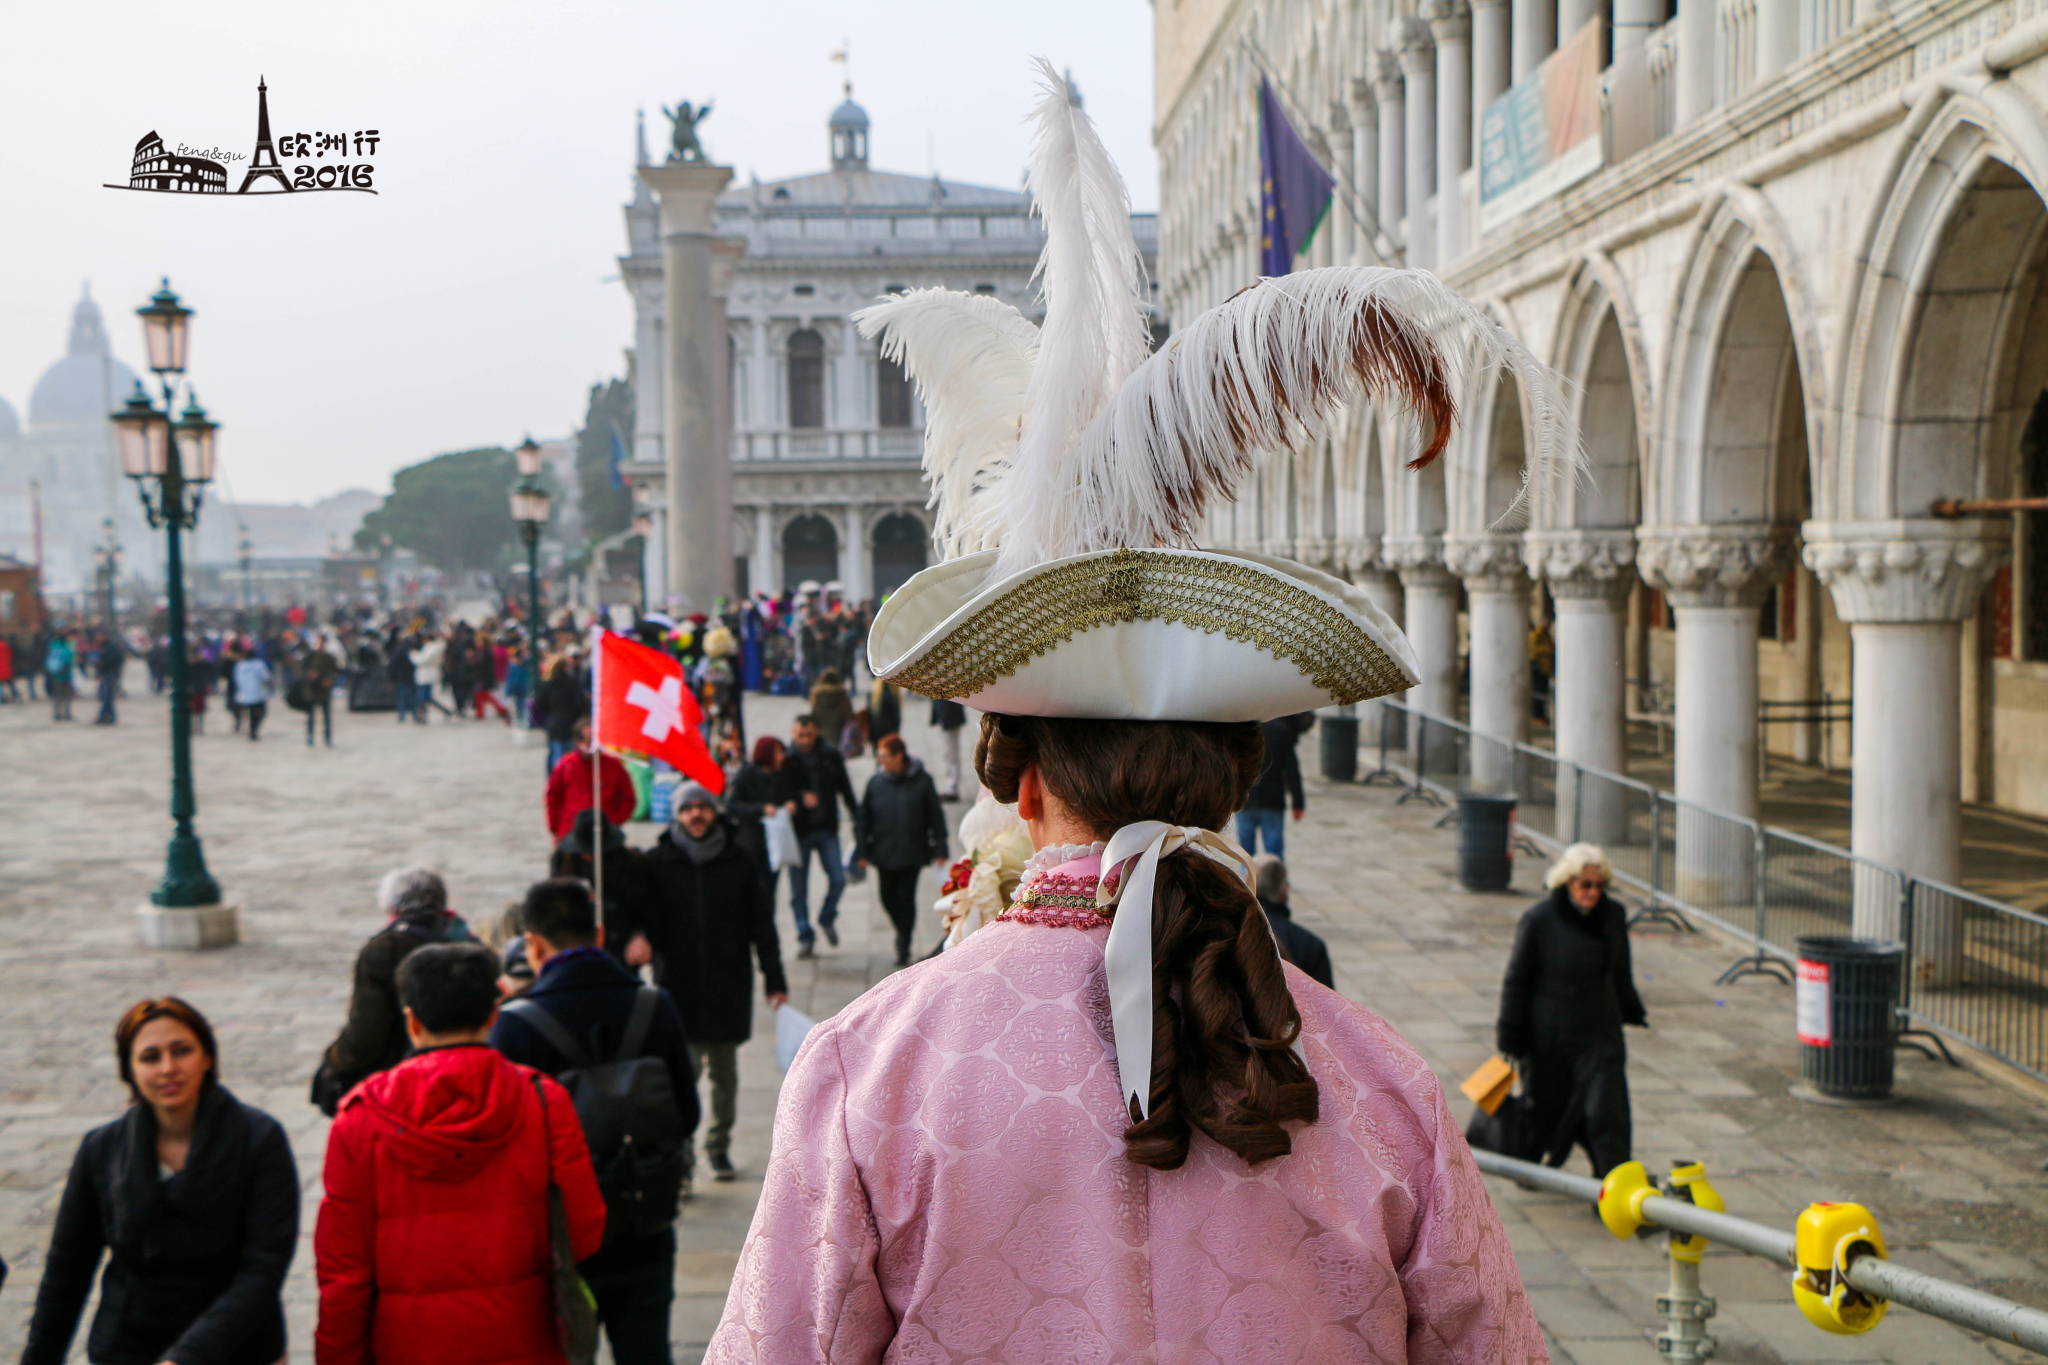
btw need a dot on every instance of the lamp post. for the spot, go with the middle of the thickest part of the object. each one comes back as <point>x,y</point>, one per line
<point>530,510</point>
<point>109,557</point>
<point>171,462</point>
<point>244,550</point>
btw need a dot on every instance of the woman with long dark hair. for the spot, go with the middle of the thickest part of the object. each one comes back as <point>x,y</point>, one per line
<point>1113,1124</point>
<point>193,1196</point>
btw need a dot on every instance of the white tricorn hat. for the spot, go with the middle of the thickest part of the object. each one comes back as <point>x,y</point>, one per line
<point>1071,467</point>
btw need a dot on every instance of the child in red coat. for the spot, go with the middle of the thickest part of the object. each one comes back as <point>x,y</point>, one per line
<point>433,1240</point>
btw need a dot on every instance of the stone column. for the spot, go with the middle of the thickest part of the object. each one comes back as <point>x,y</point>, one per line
<point>1365,167</point>
<point>1418,77</point>
<point>1491,57</point>
<point>762,570</point>
<point>1389,89</point>
<point>1450,24</point>
<point>1429,616</point>
<point>1360,559</point>
<point>1535,34</point>
<point>654,560</point>
<point>1573,15</point>
<point>1698,36</point>
<point>1633,20</point>
<point>853,568</point>
<point>1715,577</point>
<point>1590,574</point>
<point>699,461</point>
<point>1497,616</point>
<point>725,254</point>
<point>1777,37</point>
<point>1343,225</point>
<point>1905,588</point>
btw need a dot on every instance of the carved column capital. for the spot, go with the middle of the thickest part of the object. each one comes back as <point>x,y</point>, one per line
<point>1487,563</point>
<point>1583,564</point>
<point>1419,560</point>
<point>1450,21</point>
<point>1714,566</point>
<point>1359,554</point>
<point>1417,48</point>
<point>1904,572</point>
<point>1387,79</point>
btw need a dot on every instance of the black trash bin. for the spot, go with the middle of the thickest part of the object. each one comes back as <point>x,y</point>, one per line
<point>1486,842</point>
<point>1340,747</point>
<point>1845,1008</point>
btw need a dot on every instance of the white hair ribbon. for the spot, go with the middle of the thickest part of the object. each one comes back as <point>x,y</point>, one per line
<point>1127,957</point>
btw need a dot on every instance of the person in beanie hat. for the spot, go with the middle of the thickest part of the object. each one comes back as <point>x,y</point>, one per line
<point>710,921</point>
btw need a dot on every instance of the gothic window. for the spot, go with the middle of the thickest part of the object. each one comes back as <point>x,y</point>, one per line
<point>892,394</point>
<point>806,380</point>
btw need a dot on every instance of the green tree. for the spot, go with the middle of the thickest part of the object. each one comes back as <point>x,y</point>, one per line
<point>451,511</point>
<point>607,510</point>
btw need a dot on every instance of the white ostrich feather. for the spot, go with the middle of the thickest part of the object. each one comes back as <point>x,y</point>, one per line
<point>971,358</point>
<point>1095,331</point>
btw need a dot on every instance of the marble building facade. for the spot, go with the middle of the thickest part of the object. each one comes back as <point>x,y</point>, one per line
<point>1797,305</point>
<point>824,437</point>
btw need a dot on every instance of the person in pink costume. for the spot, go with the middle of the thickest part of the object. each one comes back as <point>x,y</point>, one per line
<point>1112,1125</point>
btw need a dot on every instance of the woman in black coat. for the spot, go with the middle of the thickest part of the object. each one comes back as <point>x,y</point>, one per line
<point>1569,989</point>
<point>759,789</point>
<point>196,1197</point>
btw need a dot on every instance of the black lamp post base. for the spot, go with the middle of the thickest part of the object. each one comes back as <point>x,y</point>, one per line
<point>187,884</point>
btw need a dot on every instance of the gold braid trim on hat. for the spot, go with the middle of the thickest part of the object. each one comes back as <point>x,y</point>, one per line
<point>1244,602</point>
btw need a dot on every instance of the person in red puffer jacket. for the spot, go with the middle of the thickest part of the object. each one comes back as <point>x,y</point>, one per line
<point>433,1242</point>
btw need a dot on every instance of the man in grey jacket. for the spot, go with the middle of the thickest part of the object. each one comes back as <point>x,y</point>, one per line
<point>901,827</point>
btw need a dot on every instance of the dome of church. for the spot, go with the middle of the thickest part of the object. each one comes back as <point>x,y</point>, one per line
<point>10,425</point>
<point>88,383</point>
<point>848,115</point>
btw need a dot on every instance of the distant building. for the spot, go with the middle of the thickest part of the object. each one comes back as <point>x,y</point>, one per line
<point>155,168</point>
<point>21,599</point>
<point>826,435</point>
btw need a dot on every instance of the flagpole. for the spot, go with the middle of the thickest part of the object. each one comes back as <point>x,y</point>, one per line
<point>597,773</point>
<point>1367,218</point>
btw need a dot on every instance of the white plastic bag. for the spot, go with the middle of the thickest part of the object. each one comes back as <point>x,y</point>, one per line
<point>791,1028</point>
<point>783,850</point>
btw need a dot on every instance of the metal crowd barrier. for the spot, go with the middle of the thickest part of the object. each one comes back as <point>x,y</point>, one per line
<point>1977,968</point>
<point>1843,1290</point>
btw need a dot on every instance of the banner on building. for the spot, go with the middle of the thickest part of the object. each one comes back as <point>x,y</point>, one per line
<point>1543,135</point>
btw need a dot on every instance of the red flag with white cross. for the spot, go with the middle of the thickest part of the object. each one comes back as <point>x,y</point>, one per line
<point>644,707</point>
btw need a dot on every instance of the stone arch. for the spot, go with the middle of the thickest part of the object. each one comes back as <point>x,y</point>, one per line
<point>1599,351</point>
<point>1945,330</point>
<point>1738,431</point>
<point>902,545</point>
<point>810,550</point>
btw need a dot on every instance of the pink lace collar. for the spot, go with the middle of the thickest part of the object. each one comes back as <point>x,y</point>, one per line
<point>1058,888</point>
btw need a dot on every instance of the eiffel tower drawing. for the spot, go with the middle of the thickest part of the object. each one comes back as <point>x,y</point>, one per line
<point>264,162</point>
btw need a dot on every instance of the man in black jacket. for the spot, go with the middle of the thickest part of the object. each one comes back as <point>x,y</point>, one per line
<point>900,827</point>
<point>1265,806</point>
<point>817,828</point>
<point>711,917</point>
<point>1303,947</point>
<point>374,1038</point>
<point>585,991</point>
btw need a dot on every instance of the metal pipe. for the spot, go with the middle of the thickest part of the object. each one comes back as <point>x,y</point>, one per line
<point>1966,1307</point>
<point>1977,507</point>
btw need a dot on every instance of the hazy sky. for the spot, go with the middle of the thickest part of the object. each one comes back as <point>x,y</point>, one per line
<point>341,336</point>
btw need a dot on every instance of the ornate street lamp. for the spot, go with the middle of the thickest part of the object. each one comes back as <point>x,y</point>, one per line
<point>109,556</point>
<point>171,463</point>
<point>530,510</point>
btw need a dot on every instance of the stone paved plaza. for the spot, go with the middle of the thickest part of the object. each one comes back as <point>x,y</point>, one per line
<point>299,837</point>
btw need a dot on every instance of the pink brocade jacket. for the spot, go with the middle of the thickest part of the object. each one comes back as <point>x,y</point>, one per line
<point>949,1184</point>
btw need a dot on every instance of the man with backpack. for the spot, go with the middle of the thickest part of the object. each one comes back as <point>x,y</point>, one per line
<point>618,1048</point>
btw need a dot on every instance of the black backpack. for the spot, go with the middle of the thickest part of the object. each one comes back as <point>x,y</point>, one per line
<point>630,1118</point>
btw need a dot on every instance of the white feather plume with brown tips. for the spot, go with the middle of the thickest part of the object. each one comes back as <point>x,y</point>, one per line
<point>1058,440</point>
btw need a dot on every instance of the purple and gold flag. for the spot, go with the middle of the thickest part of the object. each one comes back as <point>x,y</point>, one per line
<point>1294,189</point>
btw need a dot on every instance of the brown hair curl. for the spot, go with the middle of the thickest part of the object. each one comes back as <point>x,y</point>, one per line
<point>1223,1022</point>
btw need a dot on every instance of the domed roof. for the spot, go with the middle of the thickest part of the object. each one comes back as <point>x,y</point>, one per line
<point>88,383</point>
<point>10,425</point>
<point>848,115</point>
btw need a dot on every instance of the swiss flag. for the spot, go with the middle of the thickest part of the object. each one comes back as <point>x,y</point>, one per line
<point>644,707</point>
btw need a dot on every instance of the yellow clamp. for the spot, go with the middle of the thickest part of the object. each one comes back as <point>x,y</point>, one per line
<point>1828,1236</point>
<point>1689,1182</point>
<point>1621,1198</point>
